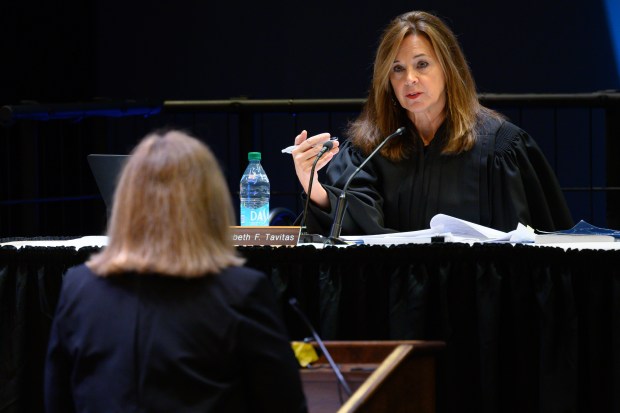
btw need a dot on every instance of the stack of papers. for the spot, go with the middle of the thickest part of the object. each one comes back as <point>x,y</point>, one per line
<point>448,229</point>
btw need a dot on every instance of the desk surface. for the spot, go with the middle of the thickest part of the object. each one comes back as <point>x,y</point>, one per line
<point>98,241</point>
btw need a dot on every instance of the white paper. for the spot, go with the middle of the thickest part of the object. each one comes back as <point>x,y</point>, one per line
<point>464,228</point>
<point>452,230</point>
<point>77,243</point>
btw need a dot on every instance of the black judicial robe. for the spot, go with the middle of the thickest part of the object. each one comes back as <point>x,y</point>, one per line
<point>503,180</point>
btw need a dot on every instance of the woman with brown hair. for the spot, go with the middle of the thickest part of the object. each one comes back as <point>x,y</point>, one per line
<point>455,157</point>
<point>166,318</point>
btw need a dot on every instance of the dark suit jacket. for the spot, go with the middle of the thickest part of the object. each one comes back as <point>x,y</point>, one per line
<point>149,343</point>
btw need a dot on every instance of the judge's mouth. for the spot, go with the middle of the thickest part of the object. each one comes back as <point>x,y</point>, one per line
<point>413,96</point>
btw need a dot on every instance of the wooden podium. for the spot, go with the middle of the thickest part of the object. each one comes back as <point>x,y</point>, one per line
<point>385,376</point>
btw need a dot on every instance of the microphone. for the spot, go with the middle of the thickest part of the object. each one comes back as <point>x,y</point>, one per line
<point>334,236</point>
<point>337,372</point>
<point>304,237</point>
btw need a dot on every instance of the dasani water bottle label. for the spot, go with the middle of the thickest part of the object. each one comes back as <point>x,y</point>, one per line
<point>255,216</point>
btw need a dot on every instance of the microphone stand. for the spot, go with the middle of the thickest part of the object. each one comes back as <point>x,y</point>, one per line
<point>334,236</point>
<point>332,364</point>
<point>304,237</point>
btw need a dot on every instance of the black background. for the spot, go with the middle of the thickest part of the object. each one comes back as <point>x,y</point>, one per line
<point>72,51</point>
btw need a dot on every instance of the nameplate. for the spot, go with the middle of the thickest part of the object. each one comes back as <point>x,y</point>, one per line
<point>275,236</point>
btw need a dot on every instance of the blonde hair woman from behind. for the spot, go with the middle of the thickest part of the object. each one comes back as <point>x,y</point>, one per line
<point>166,318</point>
<point>172,212</point>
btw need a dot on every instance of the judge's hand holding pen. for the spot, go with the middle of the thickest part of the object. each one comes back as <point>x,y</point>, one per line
<point>304,155</point>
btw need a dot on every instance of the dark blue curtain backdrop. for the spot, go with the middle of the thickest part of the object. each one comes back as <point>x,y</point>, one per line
<point>74,50</point>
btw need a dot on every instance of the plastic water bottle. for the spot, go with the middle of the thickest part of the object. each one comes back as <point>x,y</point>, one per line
<point>254,193</point>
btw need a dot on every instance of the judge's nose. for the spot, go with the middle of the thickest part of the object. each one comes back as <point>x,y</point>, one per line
<point>412,78</point>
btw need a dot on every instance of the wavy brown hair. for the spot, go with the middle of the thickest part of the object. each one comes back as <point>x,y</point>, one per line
<point>172,212</point>
<point>382,114</point>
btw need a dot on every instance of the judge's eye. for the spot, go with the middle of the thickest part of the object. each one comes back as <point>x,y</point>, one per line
<point>397,69</point>
<point>422,64</point>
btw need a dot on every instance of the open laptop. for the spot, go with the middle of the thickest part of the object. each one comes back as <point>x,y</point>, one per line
<point>106,170</point>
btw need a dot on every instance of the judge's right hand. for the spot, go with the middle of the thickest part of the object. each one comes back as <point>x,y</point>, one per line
<point>304,156</point>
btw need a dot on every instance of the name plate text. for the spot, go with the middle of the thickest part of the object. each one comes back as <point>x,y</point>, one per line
<point>275,236</point>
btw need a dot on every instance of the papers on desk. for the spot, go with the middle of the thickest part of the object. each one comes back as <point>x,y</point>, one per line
<point>450,229</point>
<point>77,243</point>
<point>582,232</point>
<point>447,229</point>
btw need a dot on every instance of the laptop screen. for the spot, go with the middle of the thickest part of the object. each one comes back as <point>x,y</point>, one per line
<point>106,170</point>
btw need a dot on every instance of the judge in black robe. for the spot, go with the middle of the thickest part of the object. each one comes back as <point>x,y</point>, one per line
<point>502,181</point>
<point>456,157</point>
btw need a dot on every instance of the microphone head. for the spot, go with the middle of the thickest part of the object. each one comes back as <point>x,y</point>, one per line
<point>328,145</point>
<point>400,130</point>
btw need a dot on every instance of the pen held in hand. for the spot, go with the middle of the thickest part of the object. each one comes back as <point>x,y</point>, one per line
<point>289,149</point>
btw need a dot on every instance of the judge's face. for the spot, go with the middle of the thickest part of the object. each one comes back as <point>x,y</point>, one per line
<point>418,80</point>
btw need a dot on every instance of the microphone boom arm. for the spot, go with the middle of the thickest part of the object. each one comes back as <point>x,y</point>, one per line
<point>304,236</point>
<point>334,236</point>
<point>332,364</point>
